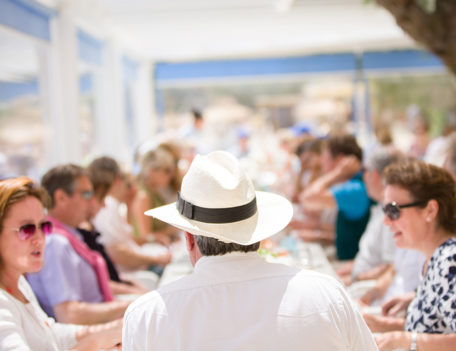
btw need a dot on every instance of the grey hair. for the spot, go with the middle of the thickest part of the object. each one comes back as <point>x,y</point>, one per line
<point>213,247</point>
<point>382,157</point>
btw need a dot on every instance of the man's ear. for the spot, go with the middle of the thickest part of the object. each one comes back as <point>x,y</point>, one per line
<point>60,196</point>
<point>190,239</point>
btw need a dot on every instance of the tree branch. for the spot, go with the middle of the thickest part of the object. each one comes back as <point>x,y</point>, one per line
<point>436,31</point>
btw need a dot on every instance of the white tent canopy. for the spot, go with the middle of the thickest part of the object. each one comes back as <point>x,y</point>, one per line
<point>177,30</point>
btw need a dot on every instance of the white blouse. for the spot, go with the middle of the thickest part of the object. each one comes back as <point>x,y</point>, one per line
<point>25,326</point>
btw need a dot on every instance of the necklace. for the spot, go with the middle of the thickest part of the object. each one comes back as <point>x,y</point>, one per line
<point>19,296</point>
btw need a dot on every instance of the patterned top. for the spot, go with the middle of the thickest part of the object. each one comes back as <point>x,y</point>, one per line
<point>433,310</point>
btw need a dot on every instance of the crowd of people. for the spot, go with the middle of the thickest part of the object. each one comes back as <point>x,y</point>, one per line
<point>82,253</point>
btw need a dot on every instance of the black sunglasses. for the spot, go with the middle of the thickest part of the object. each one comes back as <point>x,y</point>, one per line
<point>26,231</point>
<point>393,210</point>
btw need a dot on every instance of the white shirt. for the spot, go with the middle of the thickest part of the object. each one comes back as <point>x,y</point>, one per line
<point>376,245</point>
<point>113,227</point>
<point>240,302</point>
<point>408,265</point>
<point>25,326</point>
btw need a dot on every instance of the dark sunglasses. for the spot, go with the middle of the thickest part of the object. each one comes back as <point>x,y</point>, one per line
<point>393,210</point>
<point>26,231</point>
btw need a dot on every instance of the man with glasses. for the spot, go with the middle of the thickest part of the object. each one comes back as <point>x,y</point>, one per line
<point>73,285</point>
<point>394,271</point>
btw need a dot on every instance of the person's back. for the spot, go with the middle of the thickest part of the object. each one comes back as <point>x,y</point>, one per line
<point>240,302</point>
<point>234,300</point>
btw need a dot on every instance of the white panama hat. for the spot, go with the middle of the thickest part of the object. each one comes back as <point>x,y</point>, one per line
<point>218,200</point>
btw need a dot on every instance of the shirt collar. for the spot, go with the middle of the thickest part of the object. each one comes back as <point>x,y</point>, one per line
<point>224,259</point>
<point>73,231</point>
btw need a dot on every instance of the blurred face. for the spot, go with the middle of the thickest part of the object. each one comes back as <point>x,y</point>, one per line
<point>80,202</point>
<point>129,190</point>
<point>409,228</point>
<point>161,177</point>
<point>21,254</point>
<point>373,184</point>
<point>328,162</point>
<point>96,204</point>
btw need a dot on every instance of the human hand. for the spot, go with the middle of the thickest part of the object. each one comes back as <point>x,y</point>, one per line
<point>348,167</point>
<point>100,337</point>
<point>393,340</point>
<point>376,323</point>
<point>397,304</point>
<point>369,296</point>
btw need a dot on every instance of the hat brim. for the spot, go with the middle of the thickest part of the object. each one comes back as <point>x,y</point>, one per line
<point>274,213</point>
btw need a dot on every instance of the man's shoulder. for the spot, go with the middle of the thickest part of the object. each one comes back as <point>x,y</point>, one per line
<point>57,241</point>
<point>59,248</point>
<point>306,276</point>
<point>150,302</point>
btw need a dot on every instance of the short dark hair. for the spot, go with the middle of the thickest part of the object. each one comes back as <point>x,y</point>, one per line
<point>61,177</point>
<point>102,172</point>
<point>196,114</point>
<point>344,144</point>
<point>309,145</point>
<point>213,247</point>
<point>425,182</point>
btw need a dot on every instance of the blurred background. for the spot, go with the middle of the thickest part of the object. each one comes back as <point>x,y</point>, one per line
<point>82,78</point>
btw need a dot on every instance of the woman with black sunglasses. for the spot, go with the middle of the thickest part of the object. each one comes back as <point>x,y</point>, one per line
<point>23,324</point>
<point>420,210</point>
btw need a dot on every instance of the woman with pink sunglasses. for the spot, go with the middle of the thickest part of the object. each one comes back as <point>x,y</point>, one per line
<point>420,210</point>
<point>23,324</point>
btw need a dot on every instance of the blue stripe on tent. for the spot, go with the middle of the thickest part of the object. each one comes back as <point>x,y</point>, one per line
<point>254,67</point>
<point>10,91</point>
<point>26,16</point>
<point>90,49</point>
<point>324,63</point>
<point>86,83</point>
<point>409,59</point>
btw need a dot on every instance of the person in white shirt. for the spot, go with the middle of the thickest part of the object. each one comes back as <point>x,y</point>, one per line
<point>234,300</point>
<point>116,232</point>
<point>23,324</point>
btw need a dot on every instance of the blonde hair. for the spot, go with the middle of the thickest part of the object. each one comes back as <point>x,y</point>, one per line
<point>13,190</point>
<point>155,159</point>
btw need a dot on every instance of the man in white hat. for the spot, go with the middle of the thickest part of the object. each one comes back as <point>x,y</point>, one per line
<point>234,300</point>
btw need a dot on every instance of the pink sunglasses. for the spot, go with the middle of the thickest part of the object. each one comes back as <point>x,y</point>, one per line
<point>26,231</point>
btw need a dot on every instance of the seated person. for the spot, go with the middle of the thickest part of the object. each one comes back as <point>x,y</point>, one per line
<point>156,180</point>
<point>73,286</point>
<point>342,188</point>
<point>419,206</point>
<point>23,324</point>
<point>308,151</point>
<point>402,277</point>
<point>376,247</point>
<point>234,299</point>
<point>116,233</point>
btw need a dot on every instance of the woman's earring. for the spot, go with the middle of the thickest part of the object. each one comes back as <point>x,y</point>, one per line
<point>428,219</point>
